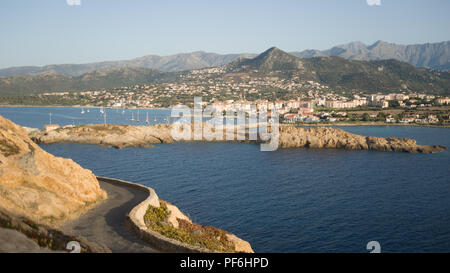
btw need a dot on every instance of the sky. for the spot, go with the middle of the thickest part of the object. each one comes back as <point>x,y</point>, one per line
<point>41,32</point>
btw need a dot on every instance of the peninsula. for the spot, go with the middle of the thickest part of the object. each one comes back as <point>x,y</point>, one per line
<point>121,136</point>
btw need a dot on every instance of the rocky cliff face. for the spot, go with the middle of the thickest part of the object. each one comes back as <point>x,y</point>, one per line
<point>120,136</point>
<point>38,185</point>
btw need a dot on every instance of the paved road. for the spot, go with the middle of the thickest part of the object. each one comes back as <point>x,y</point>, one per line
<point>105,224</point>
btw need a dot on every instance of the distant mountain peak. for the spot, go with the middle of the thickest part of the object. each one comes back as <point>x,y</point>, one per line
<point>273,49</point>
<point>273,52</point>
<point>379,43</point>
<point>430,55</point>
<point>271,59</point>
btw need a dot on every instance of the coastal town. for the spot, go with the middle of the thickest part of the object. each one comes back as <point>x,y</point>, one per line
<point>296,101</point>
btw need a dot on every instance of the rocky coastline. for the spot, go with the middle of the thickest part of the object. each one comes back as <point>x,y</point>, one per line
<point>330,138</point>
<point>121,136</point>
<point>40,192</point>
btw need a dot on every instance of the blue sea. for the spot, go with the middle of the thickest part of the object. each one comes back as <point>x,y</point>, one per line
<point>290,200</point>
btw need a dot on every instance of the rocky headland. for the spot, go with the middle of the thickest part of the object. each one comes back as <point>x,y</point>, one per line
<point>38,192</point>
<point>120,136</point>
<point>323,137</point>
<point>38,185</point>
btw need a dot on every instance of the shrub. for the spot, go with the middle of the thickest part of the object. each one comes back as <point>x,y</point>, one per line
<point>193,234</point>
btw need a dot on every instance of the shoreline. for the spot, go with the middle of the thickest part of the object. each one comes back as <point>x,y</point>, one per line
<point>290,124</point>
<point>75,106</point>
<point>367,124</point>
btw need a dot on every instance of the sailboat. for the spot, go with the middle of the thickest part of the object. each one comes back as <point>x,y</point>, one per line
<point>101,110</point>
<point>82,110</point>
<point>87,110</point>
<point>132,116</point>
<point>138,115</point>
<point>146,120</point>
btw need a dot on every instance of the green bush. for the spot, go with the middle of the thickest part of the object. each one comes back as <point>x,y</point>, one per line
<point>193,234</point>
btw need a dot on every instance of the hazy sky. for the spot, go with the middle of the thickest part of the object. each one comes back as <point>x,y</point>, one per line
<point>39,32</point>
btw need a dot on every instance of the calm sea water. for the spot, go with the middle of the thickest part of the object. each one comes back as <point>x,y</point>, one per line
<point>37,117</point>
<point>291,200</point>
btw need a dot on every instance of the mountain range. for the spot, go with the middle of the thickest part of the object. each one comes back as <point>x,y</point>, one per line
<point>341,74</point>
<point>177,62</point>
<point>435,55</point>
<point>383,76</point>
<point>94,80</point>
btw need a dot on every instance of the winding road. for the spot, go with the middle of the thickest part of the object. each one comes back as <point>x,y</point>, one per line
<point>105,224</point>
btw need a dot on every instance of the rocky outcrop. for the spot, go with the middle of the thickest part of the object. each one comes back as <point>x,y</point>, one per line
<point>120,136</point>
<point>175,215</point>
<point>38,185</point>
<point>239,244</point>
<point>322,137</point>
